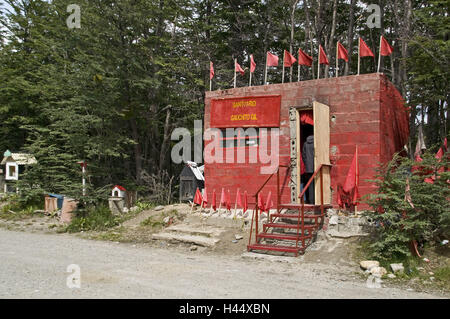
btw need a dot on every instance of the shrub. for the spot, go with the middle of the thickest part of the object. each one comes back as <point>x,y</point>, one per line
<point>94,218</point>
<point>397,221</point>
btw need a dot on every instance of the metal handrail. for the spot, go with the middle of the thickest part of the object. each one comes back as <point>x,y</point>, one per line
<point>302,200</point>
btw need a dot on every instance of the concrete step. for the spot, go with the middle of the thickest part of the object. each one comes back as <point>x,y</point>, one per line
<point>192,239</point>
<point>196,230</point>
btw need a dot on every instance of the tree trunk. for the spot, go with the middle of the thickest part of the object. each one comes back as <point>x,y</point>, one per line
<point>351,25</point>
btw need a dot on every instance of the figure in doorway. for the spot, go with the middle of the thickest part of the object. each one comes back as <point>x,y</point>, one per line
<point>308,159</point>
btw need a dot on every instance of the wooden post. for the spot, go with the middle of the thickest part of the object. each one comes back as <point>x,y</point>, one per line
<point>250,82</point>
<point>356,177</point>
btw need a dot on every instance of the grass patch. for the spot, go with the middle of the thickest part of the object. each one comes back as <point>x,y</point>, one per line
<point>153,222</point>
<point>94,218</point>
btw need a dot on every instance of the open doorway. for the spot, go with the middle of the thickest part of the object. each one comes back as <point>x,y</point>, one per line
<point>306,153</point>
<point>313,137</point>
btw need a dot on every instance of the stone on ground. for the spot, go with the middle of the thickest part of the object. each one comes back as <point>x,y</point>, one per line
<point>397,268</point>
<point>369,264</point>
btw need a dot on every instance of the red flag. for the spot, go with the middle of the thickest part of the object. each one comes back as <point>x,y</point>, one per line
<point>237,68</point>
<point>304,59</point>
<point>198,197</point>
<point>252,64</point>
<point>364,50</point>
<point>385,48</point>
<point>211,70</point>
<point>214,200</point>
<point>228,201</point>
<point>322,56</point>
<point>238,198</point>
<point>269,202</point>
<point>441,151</point>
<point>222,197</point>
<point>260,202</point>
<point>272,59</point>
<point>245,202</point>
<point>342,52</point>
<point>289,59</point>
<point>205,198</point>
<point>351,182</point>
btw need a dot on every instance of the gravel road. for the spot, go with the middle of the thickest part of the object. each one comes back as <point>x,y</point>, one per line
<point>34,265</point>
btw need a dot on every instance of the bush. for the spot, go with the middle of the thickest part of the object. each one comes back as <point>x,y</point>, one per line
<point>94,218</point>
<point>397,221</point>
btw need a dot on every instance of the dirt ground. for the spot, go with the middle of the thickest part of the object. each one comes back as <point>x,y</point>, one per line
<point>339,256</point>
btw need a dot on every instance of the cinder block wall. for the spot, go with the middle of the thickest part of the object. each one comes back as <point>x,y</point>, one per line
<point>366,110</point>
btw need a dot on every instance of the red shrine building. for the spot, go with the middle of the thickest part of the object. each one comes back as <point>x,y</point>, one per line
<point>365,112</point>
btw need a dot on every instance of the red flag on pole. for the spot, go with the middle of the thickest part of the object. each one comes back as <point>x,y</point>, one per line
<point>269,202</point>
<point>245,202</point>
<point>211,70</point>
<point>260,202</point>
<point>352,180</point>
<point>322,56</point>
<point>252,64</point>
<point>288,59</point>
<point>342,52</point>
<point>238,198</point>
<point>213,205</point>
<point>198,197</point>
<point>272,59</point>
<point>205,198</point>
<point>385,48</point>
<point>228,200</point>
<point>237,68</point>
<point>222,197</point>
<point>304,59</point>
<point>364,50</point>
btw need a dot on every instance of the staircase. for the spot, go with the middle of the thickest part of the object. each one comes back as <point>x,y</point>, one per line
<point>293,227</point>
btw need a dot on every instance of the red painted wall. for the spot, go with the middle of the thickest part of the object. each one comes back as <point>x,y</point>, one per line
<point>366,110</point>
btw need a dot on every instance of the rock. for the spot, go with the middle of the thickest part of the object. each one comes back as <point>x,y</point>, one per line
<point>234,241</point>
<point>391,276</point>
<point>378,271</point>
<point>125,210</point>
<point>334,220</point>
<point>369,264</point>
<point>397,268</point>
<point>431,273</point>
<point>444,242</point>
<point>238,237</point>
<point>134,208</point>
<point>157,208</point>
<point>426,260</point>
<point>431,278</point>
<point>193,247</point>
<point>421,268</point>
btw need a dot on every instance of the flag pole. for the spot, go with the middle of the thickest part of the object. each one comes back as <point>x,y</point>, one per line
<point>282,77</point>
<point>235,60</point>
<point>318,64</point>
<point>359,57</point>
<point>265,76</point>
<point>356,177</point>
<point>337,60</point>
<point>250,82</point>
<point>379,55</point>
<point>298,68</point>
<point>210,80</point>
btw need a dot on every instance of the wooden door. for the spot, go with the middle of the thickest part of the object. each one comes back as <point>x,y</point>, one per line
<point>322,150</point>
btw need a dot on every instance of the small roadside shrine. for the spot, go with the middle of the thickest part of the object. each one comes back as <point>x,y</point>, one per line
<point>13,165</point>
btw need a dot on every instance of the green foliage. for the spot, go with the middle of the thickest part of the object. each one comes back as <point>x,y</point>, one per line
<point>94,218</point>
<point>395,222</point>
